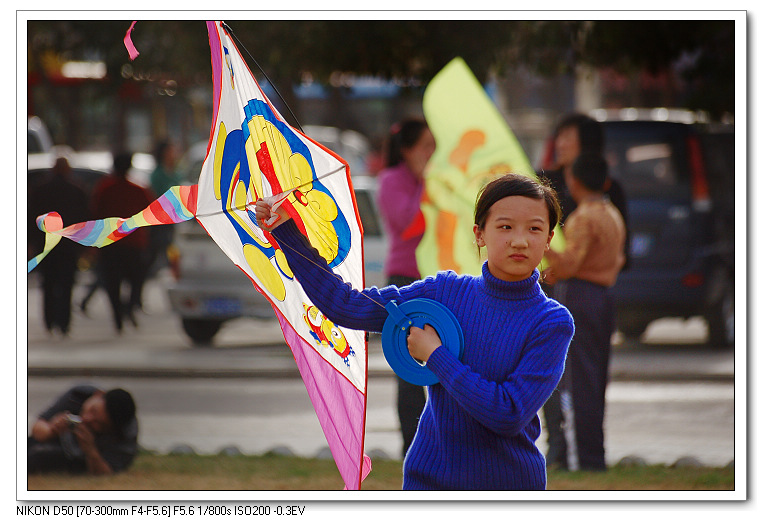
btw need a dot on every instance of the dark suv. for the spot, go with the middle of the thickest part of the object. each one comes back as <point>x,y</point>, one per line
<point>678,176</point>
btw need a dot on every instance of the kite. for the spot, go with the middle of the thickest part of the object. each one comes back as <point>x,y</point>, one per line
<point>474,145</point>
<point>253,153</point>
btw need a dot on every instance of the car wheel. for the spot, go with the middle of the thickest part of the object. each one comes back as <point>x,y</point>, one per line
<point>201,331</point>
<point>720,319</point>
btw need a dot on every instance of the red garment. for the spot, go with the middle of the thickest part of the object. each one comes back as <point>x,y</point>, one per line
<point>117,197</point>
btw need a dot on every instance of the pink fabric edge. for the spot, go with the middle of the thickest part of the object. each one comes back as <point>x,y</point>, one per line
<point>330,392</point>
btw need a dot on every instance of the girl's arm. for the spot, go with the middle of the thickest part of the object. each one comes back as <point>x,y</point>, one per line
<point>507,407</point>
<point>342,304</point>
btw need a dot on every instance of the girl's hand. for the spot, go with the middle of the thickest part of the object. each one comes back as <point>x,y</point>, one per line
<point>423,342</point>
<point>264,214</point>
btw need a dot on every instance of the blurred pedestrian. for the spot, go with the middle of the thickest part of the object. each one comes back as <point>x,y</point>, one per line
<point>85,431</point>
<point>410,145</point>
<point>574,134</point>
<point>162,178</point>
<point>127,259</point>
<point>582,275</point>
<point>59,192</point>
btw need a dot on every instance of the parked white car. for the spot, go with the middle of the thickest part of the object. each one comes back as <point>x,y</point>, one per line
<point>208,290</point>
<point>42,154</point>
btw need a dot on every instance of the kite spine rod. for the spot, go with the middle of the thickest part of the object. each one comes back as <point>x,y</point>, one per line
<point>283,194</point>
<point>278,196</point>
<point>240,44</point>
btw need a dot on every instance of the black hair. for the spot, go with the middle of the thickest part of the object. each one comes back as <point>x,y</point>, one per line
<point>122,163</point>
<point>591,170</point>
<point>590,132</point>
<point>401,136</point>
<point>120,407</point>
<point>516,184</point>
<point>160,149</point>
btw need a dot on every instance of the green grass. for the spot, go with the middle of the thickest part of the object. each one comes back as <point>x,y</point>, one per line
<point>272,472</point>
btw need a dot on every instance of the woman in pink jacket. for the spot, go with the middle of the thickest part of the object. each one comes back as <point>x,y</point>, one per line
<point>401,186</point>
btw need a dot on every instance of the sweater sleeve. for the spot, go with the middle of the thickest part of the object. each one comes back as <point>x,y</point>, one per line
<point>507,407</point>
<point>338,300</point>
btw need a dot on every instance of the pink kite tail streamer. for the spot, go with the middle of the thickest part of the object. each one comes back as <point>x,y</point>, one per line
<point>128,43</point>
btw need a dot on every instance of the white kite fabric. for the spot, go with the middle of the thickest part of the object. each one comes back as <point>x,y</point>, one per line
<point>254,153</point>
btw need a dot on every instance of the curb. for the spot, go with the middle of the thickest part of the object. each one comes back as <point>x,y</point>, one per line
<point>143,372</point>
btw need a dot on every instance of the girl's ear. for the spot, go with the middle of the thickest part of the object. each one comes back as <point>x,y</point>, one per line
<point>478,238</point>
<point>548,242</point>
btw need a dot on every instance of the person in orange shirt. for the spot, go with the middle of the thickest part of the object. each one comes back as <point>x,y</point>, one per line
<point>582,275</point>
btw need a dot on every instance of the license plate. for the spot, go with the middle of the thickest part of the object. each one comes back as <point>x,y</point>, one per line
<point>222,306</point>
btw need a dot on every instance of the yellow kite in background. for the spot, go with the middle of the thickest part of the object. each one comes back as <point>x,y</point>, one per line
<point>474,145</point>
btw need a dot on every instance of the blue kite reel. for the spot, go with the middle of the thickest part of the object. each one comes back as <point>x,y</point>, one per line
<point>418,313</point>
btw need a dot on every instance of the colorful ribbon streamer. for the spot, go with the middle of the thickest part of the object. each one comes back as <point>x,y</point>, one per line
<point>176,205</point>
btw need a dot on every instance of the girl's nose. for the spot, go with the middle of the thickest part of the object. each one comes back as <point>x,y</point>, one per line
<point>519,242</point>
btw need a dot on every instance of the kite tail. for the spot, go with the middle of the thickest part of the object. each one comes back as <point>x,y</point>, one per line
<point>176,205</point>
<point>131,50</point>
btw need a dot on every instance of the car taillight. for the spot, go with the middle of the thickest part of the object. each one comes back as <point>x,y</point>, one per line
<point>700,191</point>
<point>693,280</point>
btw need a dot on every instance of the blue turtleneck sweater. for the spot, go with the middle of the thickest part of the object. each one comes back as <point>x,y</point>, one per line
<point>480,423</point>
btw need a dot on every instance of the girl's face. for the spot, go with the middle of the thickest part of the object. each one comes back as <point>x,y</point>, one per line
<point>417,156</point>
<point>516,235</point>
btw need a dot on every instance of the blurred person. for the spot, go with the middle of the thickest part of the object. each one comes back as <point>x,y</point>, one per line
<point>85,431</point>
<point>574,134</point>
<point>59,192</point>
<point>581,276</point>
<point>127,259</point>
<point>410,145</point>
<point>162,179</point>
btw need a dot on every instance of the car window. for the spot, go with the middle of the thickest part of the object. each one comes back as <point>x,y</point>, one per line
<point>371,225</point>
<point>648,159</point>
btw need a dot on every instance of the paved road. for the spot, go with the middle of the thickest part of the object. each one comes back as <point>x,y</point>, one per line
<point>657,421</point>
<point>666,401</point>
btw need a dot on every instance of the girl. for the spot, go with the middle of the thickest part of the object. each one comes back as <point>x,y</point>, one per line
<point>480,423</point>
